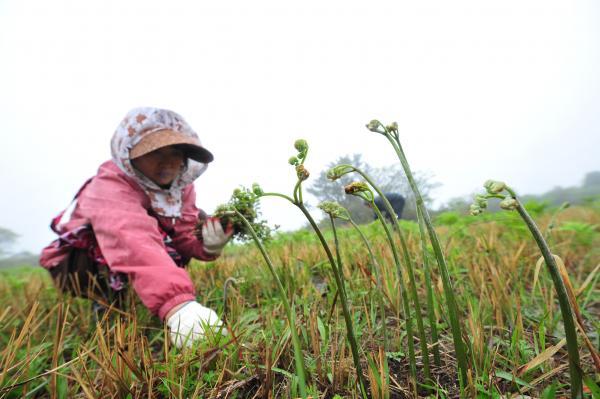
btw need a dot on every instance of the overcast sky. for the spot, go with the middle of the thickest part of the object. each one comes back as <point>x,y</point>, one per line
<point>507,90</point>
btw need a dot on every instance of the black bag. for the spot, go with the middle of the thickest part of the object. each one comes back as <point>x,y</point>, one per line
<point>79,275</point>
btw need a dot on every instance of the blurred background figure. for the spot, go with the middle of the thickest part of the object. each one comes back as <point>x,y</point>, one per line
<point>396,200</point>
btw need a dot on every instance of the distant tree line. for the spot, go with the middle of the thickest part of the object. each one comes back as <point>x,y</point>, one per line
<point>7,239</point>
<point>587,192</point>
<point>8,259</point>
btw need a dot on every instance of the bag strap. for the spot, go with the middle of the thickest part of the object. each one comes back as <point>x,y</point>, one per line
<point>56,221</point>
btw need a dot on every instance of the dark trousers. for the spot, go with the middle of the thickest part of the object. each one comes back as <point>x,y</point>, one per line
<point>80,276</point>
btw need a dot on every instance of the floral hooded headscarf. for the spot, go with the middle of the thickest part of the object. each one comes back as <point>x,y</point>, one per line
<point>137,124</point>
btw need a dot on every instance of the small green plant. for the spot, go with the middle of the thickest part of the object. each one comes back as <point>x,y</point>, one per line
<point>390,132</point>
<point>362,190</point>
<point>336,211</point>
<point>510,202</point>
<point>583,233</point>
<point>302,174</point>
<point>289,308</point>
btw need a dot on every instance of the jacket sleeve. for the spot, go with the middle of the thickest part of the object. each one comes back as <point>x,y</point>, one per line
<point>131,243</point>
<point>184,240</point>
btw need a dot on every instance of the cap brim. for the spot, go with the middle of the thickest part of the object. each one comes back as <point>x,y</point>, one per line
<point>165,138</point>
<point>197,153</point>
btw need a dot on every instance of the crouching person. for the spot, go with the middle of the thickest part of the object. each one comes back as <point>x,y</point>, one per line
<point>133,225</point>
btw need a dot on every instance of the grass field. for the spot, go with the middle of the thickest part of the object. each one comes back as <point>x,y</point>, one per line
<point>51,346</point>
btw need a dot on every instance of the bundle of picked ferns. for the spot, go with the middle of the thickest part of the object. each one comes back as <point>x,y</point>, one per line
<point>245,201</point>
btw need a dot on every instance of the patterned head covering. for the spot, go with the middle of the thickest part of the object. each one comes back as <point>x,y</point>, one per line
<point>139,123</point>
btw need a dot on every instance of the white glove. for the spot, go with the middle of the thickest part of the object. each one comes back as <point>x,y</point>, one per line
<point>190,322</point>
<point>213,236</point>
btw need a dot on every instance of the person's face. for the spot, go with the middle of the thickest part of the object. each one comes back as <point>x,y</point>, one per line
<point>161,166</point>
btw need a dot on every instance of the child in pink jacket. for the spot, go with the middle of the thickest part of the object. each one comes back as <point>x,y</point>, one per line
<point>133,223</point>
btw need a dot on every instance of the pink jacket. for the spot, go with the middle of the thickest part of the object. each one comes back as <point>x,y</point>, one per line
<point>117,209</point>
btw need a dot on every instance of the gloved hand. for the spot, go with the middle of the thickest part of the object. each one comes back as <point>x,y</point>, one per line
<point>189,323</point>
<point>213,236</point>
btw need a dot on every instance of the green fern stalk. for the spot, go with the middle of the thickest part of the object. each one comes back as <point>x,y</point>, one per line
<point>391,134</point>
<point>298,356</point>
<point>429,287</point>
